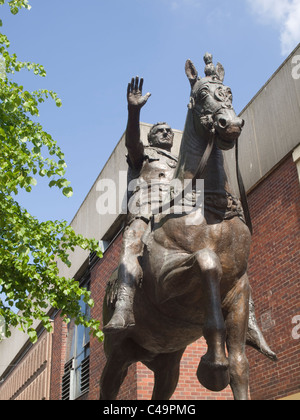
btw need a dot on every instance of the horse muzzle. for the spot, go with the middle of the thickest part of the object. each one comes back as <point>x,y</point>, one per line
<point>228,129</point>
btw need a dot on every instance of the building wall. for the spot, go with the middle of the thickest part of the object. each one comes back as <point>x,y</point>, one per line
<point>30,379</point>
<point>59,341</point>
<point>274,277</point>
<point>272,124</point>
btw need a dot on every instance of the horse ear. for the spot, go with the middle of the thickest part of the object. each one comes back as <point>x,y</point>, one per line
<point>220,72</point>
<point>191,72</point>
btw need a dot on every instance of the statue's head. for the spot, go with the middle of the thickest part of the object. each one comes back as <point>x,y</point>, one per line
<point>161,135</point>
<point>211,103</point>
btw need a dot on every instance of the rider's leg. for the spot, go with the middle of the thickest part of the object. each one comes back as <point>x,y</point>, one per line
<point>130,273</point>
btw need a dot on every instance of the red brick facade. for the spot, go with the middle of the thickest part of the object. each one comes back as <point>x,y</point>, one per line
<point>30,380</point>
<point>273,273</point>
<point>274,277</point>
<point>58,357</point>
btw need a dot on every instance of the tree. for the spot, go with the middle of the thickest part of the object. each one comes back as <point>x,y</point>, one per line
<point>29,249</point>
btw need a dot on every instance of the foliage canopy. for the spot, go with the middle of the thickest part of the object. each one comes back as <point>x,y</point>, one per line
<point>29,249</point>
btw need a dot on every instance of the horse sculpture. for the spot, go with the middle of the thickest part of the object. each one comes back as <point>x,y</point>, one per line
<point>194,264</point>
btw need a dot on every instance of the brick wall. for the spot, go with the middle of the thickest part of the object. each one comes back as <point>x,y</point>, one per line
<point>59,343</point>
<point>274,277</point>
<point>30,380</point>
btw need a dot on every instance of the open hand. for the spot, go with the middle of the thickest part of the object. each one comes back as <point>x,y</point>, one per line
<point>135,97</point>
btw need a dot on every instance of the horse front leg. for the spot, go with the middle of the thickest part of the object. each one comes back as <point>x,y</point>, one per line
<point>113,375</point>
<point>213,371</point>
<point>121,353</point>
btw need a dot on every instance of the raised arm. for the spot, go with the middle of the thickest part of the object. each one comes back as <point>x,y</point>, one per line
<point>135,101</point>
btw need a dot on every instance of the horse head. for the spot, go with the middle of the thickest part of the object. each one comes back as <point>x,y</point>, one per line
<point>211,104</point>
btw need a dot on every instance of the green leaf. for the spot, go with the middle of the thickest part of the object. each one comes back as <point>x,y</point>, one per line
<point>63,183</point>
<point>90,302</point>
<point>33,181</point>
<point>58,103</point>
<point>33,336</point>
<point>99,334</point>
<point>68,192</point>
<point>23,250</point>
<point>36,150</point>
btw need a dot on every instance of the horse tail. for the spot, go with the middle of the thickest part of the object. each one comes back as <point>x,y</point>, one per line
<point>255,337</point>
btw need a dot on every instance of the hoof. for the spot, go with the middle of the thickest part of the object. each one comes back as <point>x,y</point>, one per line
<point>213,376</point>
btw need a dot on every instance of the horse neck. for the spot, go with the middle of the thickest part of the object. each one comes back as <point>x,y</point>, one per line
<point>192,149</point>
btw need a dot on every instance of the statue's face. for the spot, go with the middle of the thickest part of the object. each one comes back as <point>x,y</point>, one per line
<point>162,136</point>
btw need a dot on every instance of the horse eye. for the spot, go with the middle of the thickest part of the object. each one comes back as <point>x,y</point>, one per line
<point>203,93</point>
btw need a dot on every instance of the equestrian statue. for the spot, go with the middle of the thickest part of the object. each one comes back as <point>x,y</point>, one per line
<point>183,265</point>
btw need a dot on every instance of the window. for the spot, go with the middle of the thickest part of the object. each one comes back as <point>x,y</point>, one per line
<point>76,372</point>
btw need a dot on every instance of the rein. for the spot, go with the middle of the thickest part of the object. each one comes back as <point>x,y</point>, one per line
<point>201,168</point>
<point>243,194</point>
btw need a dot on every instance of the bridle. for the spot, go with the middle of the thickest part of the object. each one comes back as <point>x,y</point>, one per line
<point>203,163</point>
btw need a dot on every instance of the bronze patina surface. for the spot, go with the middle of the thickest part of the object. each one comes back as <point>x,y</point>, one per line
<point>183,275</point>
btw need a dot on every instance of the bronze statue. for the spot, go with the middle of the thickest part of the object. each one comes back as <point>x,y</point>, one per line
<point>192,266</point>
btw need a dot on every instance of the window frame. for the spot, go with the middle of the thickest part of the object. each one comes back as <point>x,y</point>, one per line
<point>75,380</point>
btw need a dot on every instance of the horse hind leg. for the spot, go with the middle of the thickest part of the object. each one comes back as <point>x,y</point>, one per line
<point>166,369</point>
<point>213,370</point>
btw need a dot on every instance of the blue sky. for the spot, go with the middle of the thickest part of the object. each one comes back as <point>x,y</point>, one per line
<point>92,48</point>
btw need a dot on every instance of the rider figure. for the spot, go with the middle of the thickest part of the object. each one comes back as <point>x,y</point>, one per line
<point>152,168</point>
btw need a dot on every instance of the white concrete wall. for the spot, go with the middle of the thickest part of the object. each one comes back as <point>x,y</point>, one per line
<point>272,128</point>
